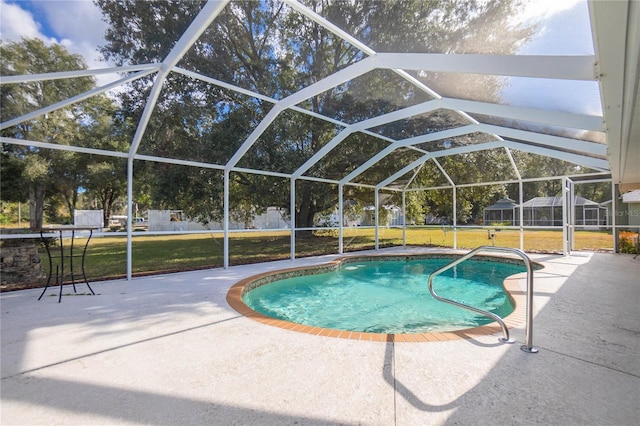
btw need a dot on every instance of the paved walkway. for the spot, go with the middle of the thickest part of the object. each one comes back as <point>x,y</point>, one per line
<point>168,350</point>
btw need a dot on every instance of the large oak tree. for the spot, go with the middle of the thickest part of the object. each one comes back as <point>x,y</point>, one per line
<point>265,47</point>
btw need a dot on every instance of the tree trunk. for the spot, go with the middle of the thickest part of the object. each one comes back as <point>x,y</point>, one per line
<point>36,205</point>
<point>107,198</point>
<point>71,199</point>
<point>305,215</point>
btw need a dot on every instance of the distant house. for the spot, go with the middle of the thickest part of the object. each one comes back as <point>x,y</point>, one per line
<point>501,212</point>
<point>547,211</point>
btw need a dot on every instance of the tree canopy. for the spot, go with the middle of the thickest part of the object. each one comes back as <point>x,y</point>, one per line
<point>40,174</point>
<point>272,50</point>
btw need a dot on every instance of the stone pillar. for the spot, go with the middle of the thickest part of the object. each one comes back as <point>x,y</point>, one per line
<point>20,263</point>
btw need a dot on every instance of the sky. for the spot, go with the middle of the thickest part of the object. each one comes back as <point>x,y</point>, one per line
<point>78,26</point>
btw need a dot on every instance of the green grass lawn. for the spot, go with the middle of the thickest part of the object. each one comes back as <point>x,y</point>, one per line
<point>106,255</point>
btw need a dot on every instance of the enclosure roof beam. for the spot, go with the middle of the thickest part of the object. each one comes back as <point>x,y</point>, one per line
<point>513,163</point>
<point>404,143</point>
<point>59,147</point>
<point>27,78</point>
<point>75,99</point>
<point>256,95</point>
<point>365,124</point>
<point>400,114</point>
<point>582,160</point>
<point>436,136</point>
<point>452,151</point>
<point>199,25</point>
<point>444,172</point>
<point>412,178</point>
<point>322,152</point>
<point>349,73</point>
<point>554,118</point>
<point>367,164</point>
<point>323,85</point>
<point>176,161</point>
<point>295,5</point>
<point>219,83</point>
<point>534,66</point>
<point>579,145</point>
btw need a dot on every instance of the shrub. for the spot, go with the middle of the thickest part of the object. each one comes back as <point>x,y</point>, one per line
<point>628,242</point>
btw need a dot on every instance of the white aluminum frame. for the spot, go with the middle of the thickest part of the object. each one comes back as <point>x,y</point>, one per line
<point>607,29</point>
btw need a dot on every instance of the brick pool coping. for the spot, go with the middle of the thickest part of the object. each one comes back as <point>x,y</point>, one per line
<point>510,284</point>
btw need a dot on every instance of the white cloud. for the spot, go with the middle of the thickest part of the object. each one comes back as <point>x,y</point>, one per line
<point>77,25</point>
<point>541,9</point>
<point>16,23</point>
<point>80,26</point>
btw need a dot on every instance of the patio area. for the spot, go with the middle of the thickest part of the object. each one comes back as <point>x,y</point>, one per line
<point>168,350</point>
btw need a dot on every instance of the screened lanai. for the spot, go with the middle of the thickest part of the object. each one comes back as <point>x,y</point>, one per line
<point>547,211</point>
<point>446,108</point>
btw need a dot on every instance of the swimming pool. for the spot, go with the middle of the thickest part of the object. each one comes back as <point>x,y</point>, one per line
<point>374,295</point>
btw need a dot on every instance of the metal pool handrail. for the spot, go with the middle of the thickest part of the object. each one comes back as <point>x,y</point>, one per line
<point>528,346</point>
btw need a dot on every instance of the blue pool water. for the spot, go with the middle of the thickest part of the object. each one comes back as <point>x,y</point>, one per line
<point>388,296</point>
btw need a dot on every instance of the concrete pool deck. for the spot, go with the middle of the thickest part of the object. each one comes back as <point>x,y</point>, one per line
<point>169,350</point>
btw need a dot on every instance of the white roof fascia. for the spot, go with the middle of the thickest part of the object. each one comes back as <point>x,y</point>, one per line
<point>631,197</point>
<point>616,30</point>
<point>26,78</point>
<point>548,140</point>
<point>582,160</point>
<point>75,99</point>
<point>534,66</point>
<point>59,147</point>
<point>554,118</point>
